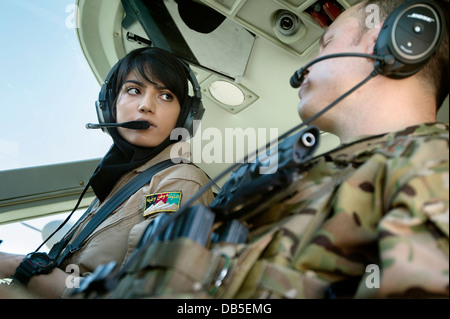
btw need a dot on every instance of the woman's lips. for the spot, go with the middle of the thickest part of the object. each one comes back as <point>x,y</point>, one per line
<point>145,120</point>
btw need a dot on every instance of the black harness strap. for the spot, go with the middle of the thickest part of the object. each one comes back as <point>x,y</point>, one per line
<point>118,198</point>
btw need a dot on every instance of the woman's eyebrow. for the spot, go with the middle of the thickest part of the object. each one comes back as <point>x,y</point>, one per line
<point>134,82</point>
<point>157,86</point>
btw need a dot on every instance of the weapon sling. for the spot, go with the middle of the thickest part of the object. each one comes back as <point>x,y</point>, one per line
<point>129,189</point>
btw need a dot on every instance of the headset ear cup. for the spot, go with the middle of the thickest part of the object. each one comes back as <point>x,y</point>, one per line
<point>411,34</point>
<point>105,103</point>
<point>200,110</point>
<point>196,111</point>
<point>110,112</point>
<point>194,103</point>
<point>105,107</point>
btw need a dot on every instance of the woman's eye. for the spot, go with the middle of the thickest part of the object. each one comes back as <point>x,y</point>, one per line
<point>167,97</point>
<point>133,91</point>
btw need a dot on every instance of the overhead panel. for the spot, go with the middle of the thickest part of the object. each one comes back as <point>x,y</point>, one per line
<point>294,25</point>
<point>194,32</point>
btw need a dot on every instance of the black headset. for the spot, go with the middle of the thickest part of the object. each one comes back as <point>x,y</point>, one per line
<point>410,34</point>
<point>104,104</point>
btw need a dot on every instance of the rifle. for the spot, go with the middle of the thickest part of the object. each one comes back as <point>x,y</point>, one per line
<point>248,192</point>
<point>245,194</point>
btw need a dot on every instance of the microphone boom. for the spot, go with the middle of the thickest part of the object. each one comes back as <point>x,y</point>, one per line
<point>134,125</point>
<point>299,76</point>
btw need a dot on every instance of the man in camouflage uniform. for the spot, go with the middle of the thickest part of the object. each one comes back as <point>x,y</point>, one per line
<point>377,208</point>
<point>368,219</point>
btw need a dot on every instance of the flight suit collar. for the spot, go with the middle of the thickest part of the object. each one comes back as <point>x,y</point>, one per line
<point>174,151</point>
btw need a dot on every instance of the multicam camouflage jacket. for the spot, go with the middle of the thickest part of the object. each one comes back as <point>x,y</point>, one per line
<point>369,219</point>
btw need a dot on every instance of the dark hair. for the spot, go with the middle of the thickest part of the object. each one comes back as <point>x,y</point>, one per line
<point>436,71</point>
<point>153,65</point>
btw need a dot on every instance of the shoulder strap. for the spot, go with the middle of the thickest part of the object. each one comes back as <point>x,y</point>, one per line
<point>118,198</point>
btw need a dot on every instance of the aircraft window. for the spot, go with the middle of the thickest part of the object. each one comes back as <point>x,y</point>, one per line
<point>48,90</point>
<point>48,93</point>
<point>25,236</point>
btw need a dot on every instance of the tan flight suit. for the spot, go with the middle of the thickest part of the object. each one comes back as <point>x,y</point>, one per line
<point>119,234</point>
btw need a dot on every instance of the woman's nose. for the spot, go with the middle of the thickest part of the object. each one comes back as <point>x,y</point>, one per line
<point>146,105</point>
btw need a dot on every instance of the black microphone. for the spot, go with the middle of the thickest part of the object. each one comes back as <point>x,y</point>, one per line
<point>134,125</point>
<point>299,76</point>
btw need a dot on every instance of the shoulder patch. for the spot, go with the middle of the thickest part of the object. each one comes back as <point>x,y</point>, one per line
<point>162,202</point>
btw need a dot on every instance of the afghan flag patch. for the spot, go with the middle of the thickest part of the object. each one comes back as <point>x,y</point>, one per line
<point>162,202</point>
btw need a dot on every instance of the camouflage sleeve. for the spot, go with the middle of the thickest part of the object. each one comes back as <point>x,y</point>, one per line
<point>414,230</point>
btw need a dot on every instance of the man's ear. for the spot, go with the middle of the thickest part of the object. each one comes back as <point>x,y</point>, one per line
<point>371,38</point>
